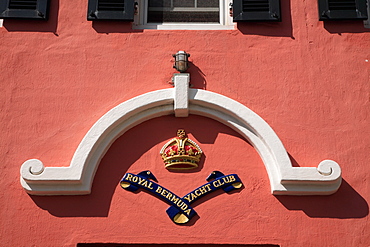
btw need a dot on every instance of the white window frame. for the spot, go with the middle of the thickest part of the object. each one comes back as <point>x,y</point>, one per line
<point>225,23</point>
<point>367,22</point>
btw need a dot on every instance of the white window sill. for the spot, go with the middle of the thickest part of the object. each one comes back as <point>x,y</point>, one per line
<point>185,26</point>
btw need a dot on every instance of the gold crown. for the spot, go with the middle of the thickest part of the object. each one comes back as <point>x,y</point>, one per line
<point>181,152</point>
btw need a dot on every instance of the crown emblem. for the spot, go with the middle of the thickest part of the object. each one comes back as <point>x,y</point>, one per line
<point>181,152</point>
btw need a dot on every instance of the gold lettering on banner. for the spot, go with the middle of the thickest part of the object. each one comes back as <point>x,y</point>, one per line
<point>179,203</point>
<point>214,183</point>
<point>218,183</point>
<point>184,206</point>
<point>145,184</point>
<point>159,189</point>
<point>141,180</point>
<point>226,179</point>
<point>187,211</point>
<point>198,192</point>
<point>190,197</point>
<point>204,189</point>
<point>193,197</point>
<point>187,197</point>
<point>150,186</point>
<point>174,199</point>
<point>125,184</point>
<point>208,187</point>
<point>164,192</point>
<point>169,195</point>
<point>129,177</point>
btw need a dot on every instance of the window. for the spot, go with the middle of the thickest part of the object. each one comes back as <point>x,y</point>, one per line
<point>24,9</point>
<point>207,11</point>
<point>122,10</point>
<point>342,10</point>
<point>183,14</point>
<point>257,10</point>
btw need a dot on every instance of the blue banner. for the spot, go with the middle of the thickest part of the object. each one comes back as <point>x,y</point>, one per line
<point>180,210</point>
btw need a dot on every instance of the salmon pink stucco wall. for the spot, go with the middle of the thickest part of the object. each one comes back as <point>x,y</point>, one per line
<point>309,80</point>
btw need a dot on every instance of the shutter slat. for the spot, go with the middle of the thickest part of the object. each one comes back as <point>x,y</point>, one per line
<point>342,4</point>
<point>24,9</point>
<point>22,4</point>
<point>255,5</point>
<point>122,10</point>
<point>111,5</point>
<point>342,10</point>
<point>256,10</point>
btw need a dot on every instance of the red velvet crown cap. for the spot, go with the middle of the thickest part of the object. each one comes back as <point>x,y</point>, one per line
<point>181,152</point>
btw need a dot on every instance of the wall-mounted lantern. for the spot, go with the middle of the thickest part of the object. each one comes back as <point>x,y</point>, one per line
<point>181,61</point>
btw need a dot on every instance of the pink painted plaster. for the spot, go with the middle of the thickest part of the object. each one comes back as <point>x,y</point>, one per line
<point>308,79</point>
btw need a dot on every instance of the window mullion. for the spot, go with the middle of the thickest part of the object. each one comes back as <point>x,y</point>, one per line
<point>150,18</point>
<point>222,12</point>
<point>145,11</point>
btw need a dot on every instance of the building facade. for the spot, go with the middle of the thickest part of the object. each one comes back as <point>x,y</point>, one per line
<point>266,101</point>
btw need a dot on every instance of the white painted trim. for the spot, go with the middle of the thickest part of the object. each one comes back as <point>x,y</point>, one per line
<point>226,21</point>
<point>78,177</point>
<point>182,26</point>
<point>367,22</point>
<point>181,105</point>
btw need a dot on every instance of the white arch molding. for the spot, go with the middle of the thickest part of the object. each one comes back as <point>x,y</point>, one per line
<point>181,100</point>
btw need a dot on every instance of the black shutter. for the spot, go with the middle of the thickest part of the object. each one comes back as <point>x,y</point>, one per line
<point>342,10</point>
<point>110,10</point>
<point>256,10</point>
<point>24,9</point>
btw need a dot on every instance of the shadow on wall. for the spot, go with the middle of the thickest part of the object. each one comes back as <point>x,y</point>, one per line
<point>112,167</point>
<point>126,150</point>
<point>345,203</point>
<point>276,29</point>
<point>338,27</point>
<point>108,27</point>
<point>19,25</point>
<point>198,78</point>
<point>174,245</point>
<point>121,155</point>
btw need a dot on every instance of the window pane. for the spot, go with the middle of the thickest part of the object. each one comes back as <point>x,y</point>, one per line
<point>159,3</point>
<point>173,16</point>
<point>208,3</point>
<point>205,11</point>
<point>183,3</point>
